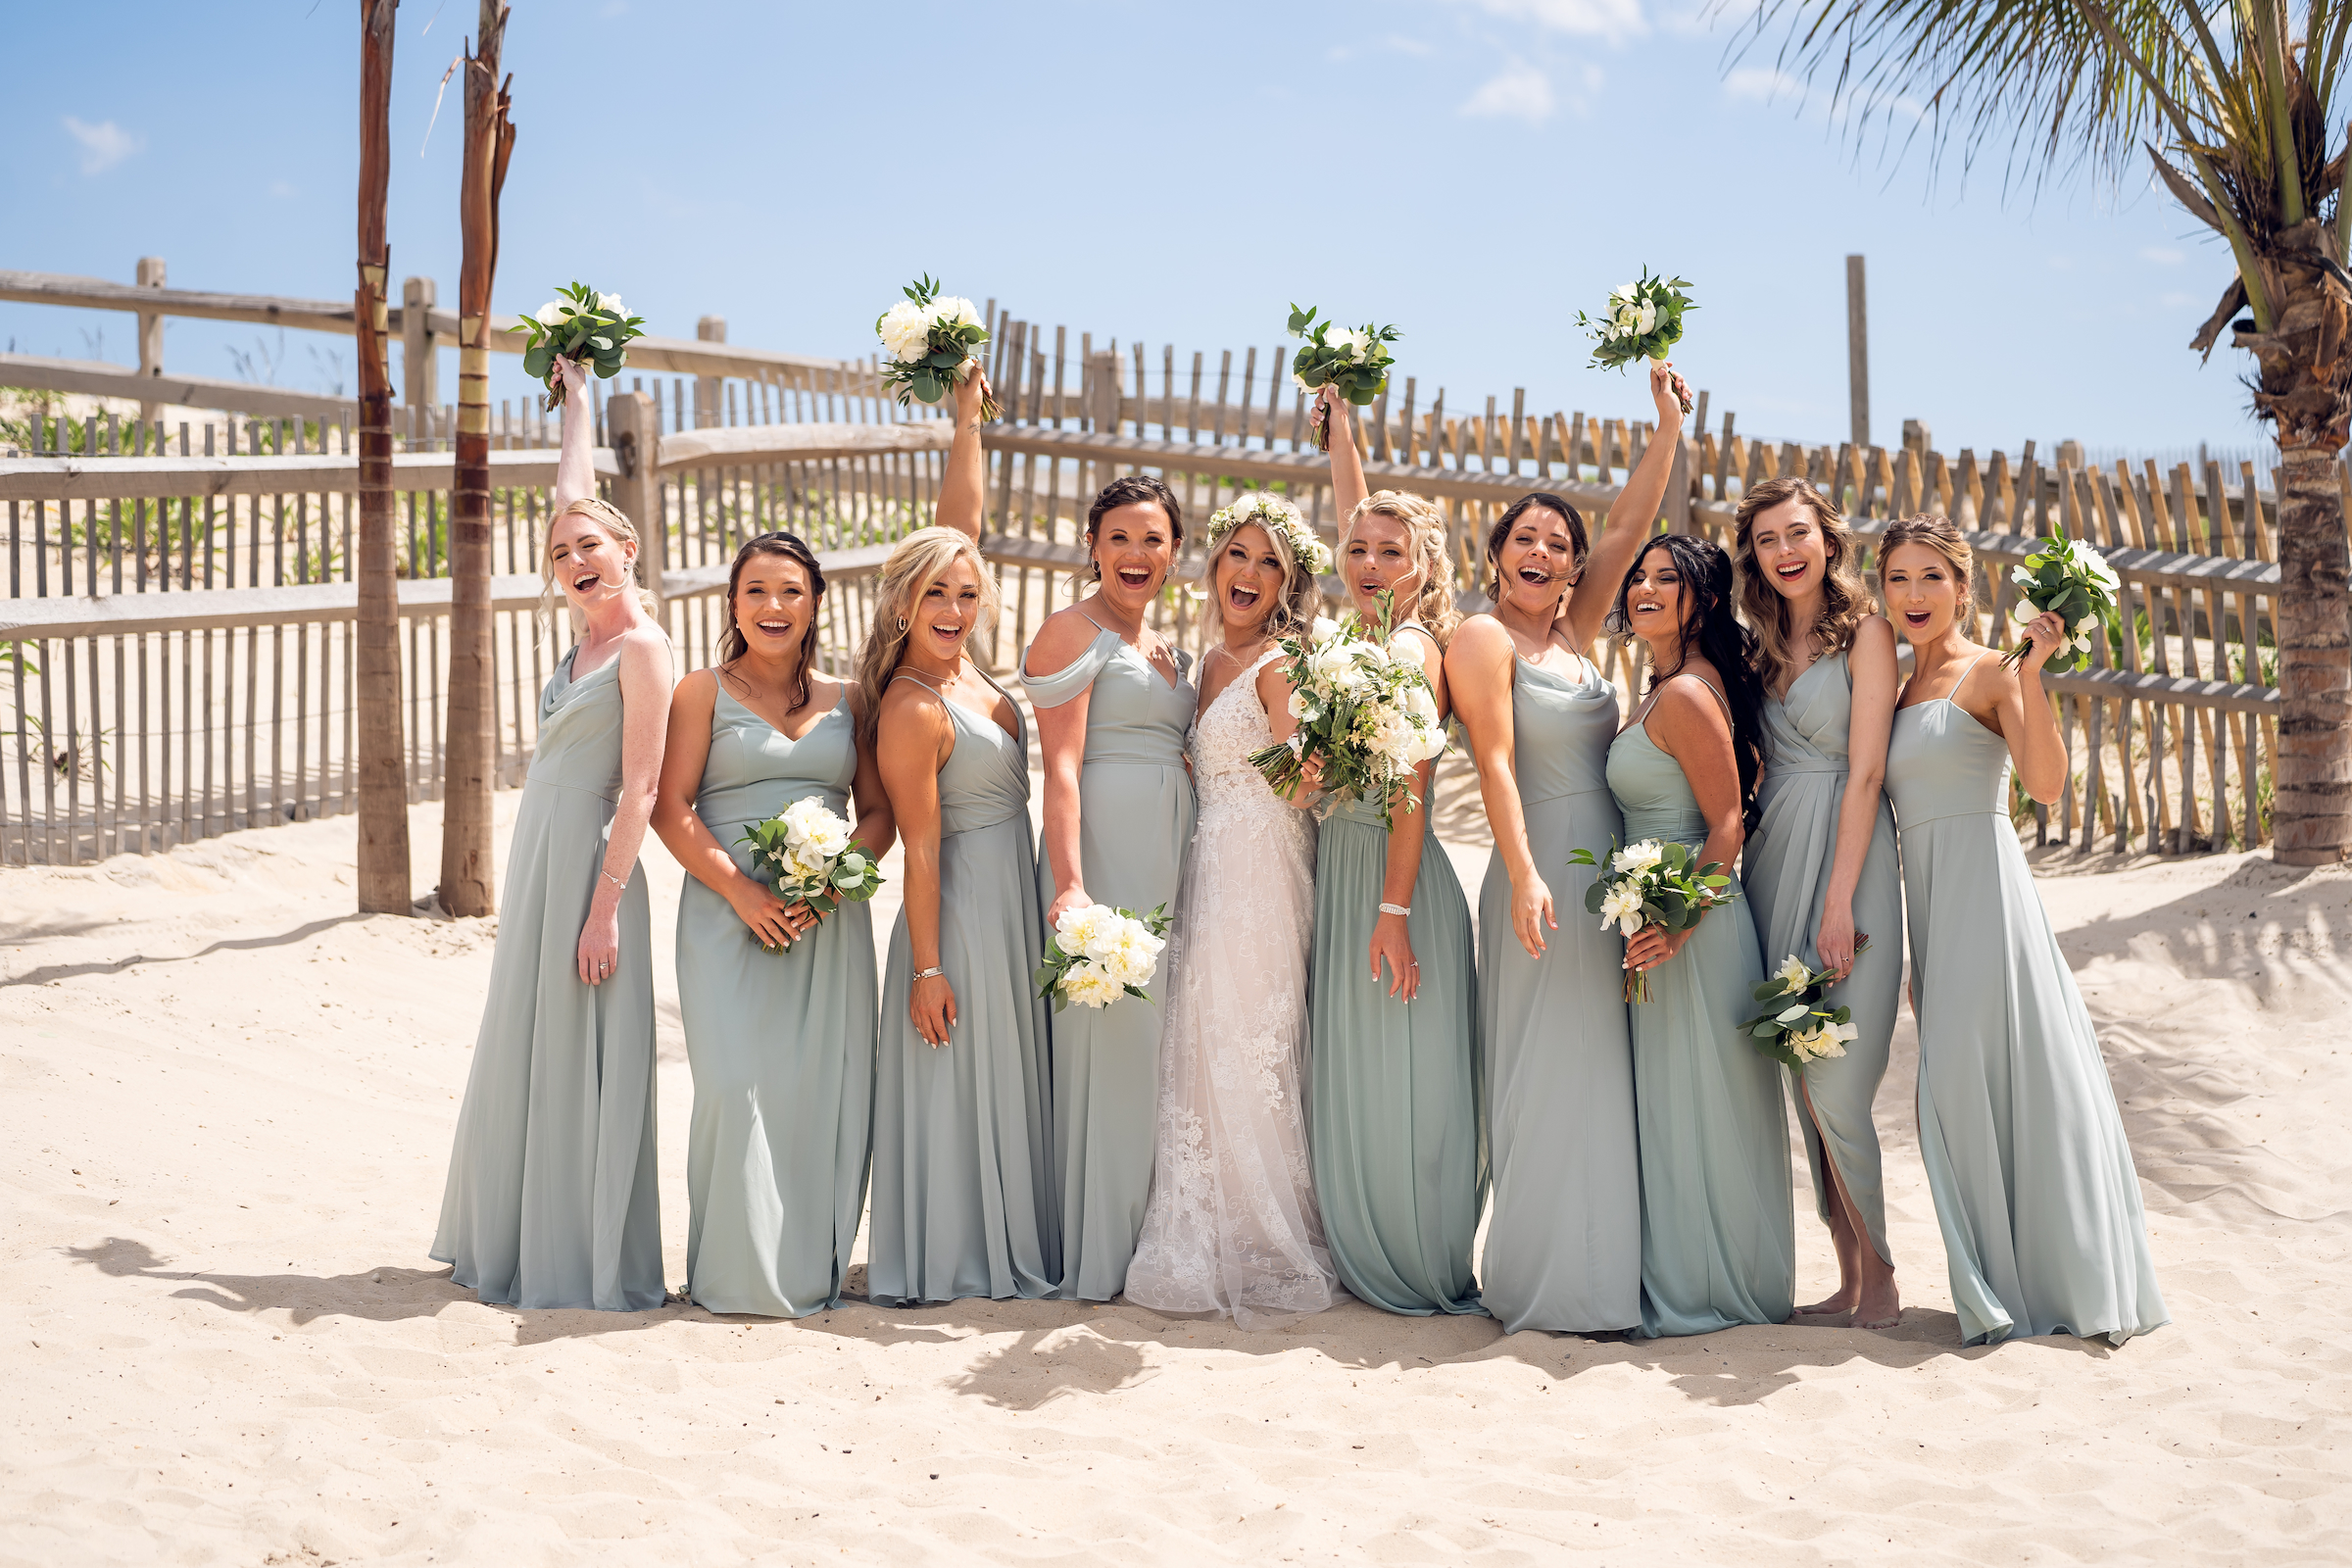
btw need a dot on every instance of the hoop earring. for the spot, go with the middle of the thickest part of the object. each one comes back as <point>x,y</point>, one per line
<point>902,623</point>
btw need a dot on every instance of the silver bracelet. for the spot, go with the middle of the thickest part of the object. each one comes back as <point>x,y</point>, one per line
<point>610,877</point>
<point>1395,909</point>
<point>928,974</point>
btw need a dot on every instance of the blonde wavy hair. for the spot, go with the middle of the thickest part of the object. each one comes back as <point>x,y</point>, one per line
<point>614,521</point>
<point>1432,552</point>
<point>1944,537</point>
<point>1301,596</point>
<point>1845,597</point>
<point>917,562</point>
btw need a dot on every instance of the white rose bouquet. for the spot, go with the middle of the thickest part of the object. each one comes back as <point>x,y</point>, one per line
<point>933,340</point>
<point>2069,578</point>
<point>1794,1028</point>
<point>1368,717</point>
<point>1352,360</point>
<point>1652,883</point>
<point>582,324</point>
<point>1098,954</point>
<point>814,861</point>
<point>1644,321</point>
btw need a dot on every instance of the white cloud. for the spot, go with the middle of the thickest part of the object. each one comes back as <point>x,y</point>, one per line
<point>103,145</point>
<point>1760,85</point>
<point>1518,91</point>
<point>2162,256</point>
<point>1613,19</point>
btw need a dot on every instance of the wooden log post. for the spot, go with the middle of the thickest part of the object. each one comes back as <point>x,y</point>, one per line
<point>706,388</point>
<point>470,765</point>
<point>419,353</point>
<point>385,887</point>
<point>151,336</point>
<point>1857,352</point>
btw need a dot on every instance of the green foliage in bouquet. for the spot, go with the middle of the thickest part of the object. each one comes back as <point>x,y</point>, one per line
<point>934,341</point>
<point>1794,1028</point>
<point>2069,578</point>
<point>1352,360</point>
<point>1366,716</point>
<point>1655,882</point>
<point>579,325</point>
<point>1644,321</point>
<point>782,847</point>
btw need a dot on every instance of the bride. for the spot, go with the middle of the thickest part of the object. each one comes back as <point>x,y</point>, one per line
<point>1231,1225</point>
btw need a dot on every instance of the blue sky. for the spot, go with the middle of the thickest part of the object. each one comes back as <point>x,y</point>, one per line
<point>1474,171</point>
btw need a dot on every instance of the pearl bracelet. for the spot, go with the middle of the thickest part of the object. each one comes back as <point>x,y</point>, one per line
<point>1395,909</point>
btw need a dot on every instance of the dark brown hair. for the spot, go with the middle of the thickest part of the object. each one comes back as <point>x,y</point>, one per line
<point>1510,519</point>
<point>1845,599</point>
<point>1126,491</point>
<point>790,547</point>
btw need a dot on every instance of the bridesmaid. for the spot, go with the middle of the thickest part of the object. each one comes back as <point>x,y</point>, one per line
<point>1114,701</point>
<point>1717,1236</point>
<point>1563,1246</point>
<point>1399,1162</point>
<point>963,1201</point>
<point>1821,869</point>
<point>2018,1125</point>
<point>781,1044</point>
<point>551,1200</point>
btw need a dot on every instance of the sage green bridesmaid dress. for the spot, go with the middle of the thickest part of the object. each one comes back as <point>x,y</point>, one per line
<point>1718,1222</point>
<point>963,1197</point>
<point>551,1200</point>
<point>1564,1238</point>
<point>781,1044</point>
<point>1399,1154</point>
<point>1786,871</point>
<point>2018,1126</point>
<point>1135,813</point>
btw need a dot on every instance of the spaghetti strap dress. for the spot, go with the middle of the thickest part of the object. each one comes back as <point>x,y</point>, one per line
<point>781,1044</point>
<point>551,1200</point>
<point>963,1201</point>
<point>1399,1159</point>
<point>2025,1149</point>
<point>1718,1221</point>
<point>1135,813</point>
<point>1785,873</point>
<point>1563,1246</point>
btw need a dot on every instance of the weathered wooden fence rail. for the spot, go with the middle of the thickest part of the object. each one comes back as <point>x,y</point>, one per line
<point>140,719</point>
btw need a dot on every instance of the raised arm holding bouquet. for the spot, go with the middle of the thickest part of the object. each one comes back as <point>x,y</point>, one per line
<point>1350,362</point>
<point>1644,321</point>
<point>583,327</point>
<point>934,341</point>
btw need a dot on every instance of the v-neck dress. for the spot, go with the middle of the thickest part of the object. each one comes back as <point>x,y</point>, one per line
<point>2018,1127</point>
<point>1135,816</point>
<point>1786,873</point>
<point>1564,1238</point>
<point>1718,1223</point>
<point>781,1044</point>
<point>963,1195</point>
<point>551,1200</point>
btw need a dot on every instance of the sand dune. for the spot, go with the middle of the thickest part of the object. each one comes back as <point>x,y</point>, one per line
<point>226,1105</point>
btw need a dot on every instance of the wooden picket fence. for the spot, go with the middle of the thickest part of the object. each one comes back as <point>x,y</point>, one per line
<point>177,640</point>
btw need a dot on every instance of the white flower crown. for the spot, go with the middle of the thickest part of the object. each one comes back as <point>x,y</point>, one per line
<point>1271,511</point>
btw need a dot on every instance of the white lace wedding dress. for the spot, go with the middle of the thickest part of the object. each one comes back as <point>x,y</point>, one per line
<point>1231,1225</point>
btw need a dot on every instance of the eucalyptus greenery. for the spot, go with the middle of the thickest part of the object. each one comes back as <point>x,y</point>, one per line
<point>579,325</point>
<point>1352,360</point>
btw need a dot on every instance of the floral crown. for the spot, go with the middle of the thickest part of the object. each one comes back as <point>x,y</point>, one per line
<point>1278,515</point>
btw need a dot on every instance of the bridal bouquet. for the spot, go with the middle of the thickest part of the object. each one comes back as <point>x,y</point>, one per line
<point>578,323</point>
<point>1652,883</point>
<point>933,339</point>
<point>1352,360</point>
<point>1644,321</point>
<point>816,861</point>
<point>1794,1028</point>
<point>1098,954</point>
<point>1368,716</point>
<point>2069,577</point>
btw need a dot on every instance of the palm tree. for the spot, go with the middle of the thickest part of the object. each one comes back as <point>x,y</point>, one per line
<point>2235,112</point>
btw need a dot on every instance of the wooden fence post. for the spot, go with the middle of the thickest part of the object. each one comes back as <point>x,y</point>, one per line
<point>706,393</point>
<point>151,334</point>
<point>420,357</point>
<point>1857,352</point>
<point>634,426</point>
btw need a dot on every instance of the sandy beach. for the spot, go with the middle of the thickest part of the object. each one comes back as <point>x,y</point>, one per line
<point>227,1112</point>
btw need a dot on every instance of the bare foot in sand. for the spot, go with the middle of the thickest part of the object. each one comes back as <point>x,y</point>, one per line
<point>1880,1306</point>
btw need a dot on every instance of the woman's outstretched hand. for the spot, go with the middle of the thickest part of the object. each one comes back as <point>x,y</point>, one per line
<point>1670,392</point>
<point>971,394</point>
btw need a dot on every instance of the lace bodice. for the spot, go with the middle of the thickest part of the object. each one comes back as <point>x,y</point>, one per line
<point>1224,734</point>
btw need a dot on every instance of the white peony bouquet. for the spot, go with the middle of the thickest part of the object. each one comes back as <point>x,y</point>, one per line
<point>1650,883</point>
<point>1098,954</point>
<point>933,340</point>
<point>1794,1028</point>
<point>808,849</point>
<point>582,324</point>
<point>2069,577</point>
<point>1644,321</point>
<point>1352,360</point>
<point>1366,716</point>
